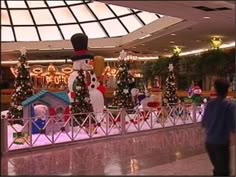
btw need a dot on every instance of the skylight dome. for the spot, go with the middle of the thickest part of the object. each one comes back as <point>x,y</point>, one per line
<point>59,20</point>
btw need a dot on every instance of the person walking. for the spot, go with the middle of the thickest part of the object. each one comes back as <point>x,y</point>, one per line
<point>219,121</point>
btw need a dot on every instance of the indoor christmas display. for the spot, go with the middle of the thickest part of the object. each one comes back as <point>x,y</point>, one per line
<point>125,83</point>
<point>194,93</point>
<point>47,105</point>
<point>81,104</point>
<point>83,61</point>
<point>23,89</point>
<point>170,95</point>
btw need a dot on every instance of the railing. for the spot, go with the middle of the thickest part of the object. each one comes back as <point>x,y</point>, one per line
<point>67,129</point>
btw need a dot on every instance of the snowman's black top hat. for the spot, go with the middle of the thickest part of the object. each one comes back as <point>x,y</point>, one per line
<point>80,45</point>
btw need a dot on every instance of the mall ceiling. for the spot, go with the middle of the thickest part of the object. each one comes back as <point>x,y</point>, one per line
<point>201,20</point>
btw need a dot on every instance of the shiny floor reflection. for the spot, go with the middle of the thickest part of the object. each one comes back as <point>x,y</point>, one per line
<point>119,156</point>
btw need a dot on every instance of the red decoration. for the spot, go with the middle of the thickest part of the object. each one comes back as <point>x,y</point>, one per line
<point>81,52</point>
<point>66,113</point>
<point>153,104</point>
<point>72,95</point>
<point>102,89</point>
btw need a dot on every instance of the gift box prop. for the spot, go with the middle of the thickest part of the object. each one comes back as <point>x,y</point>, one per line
<point>44,106</point>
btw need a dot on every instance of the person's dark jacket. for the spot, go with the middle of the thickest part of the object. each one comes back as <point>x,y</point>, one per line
<point>219,121</point>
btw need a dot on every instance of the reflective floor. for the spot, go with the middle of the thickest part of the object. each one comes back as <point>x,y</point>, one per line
<point>149,154</point>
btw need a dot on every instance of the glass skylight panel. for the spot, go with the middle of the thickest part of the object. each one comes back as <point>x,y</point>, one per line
<point>48,33</point>
<point>36,4</point>
<point>63,15</point>
<point>16,4</point>
<point>120,10</point>
<point>55,3</point>
<point>87,13</point>
<point>114,28</point>
<point>147,17</point>
<point>5,20</point>
<point>6,34</point>
<point>82,13</point>
<point>26,34</point>
<point>93,30</point>
<point>43,16</point>
<point>135,10</point>
<point>21,17</point>
<point>74,2</point>
<point>3,4</point>
<point>131,22</point>
<point>69,30</point>
<point>101,10</point>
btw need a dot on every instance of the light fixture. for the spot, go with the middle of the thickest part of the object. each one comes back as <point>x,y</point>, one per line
<point>108,46</point>
<point>172,42</point>
<point>173,34</point>
<point>206,17</point>
<point>216,42</point>
<point>142,44</point>
<point>177,50</point>
<point>148,35</point>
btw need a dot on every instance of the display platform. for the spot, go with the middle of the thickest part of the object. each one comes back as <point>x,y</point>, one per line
<point>109,123</point>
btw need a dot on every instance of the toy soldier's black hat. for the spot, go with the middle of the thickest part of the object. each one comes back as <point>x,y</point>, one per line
<point>80,44</point>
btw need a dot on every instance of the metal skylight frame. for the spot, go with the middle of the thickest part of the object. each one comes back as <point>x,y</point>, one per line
<point>69,5</point>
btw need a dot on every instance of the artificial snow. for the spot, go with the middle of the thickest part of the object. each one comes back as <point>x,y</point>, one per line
<point>133,123</point>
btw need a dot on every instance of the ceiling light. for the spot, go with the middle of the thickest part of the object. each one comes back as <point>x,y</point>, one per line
<point>148,35</point>
<point>231,44</point>
<point>108,46</point>
<point>165,49</point>
<point>173,34</point>
<point>172,42</point>
<point>198,40</point>
<point>142,44</point>
<point>134,47</point>
<point>51,49</point>
<point>206,17</point>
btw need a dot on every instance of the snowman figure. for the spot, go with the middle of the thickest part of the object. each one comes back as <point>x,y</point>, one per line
<point>82,60</point>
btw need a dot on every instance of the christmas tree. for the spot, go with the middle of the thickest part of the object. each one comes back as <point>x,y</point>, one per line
<point>125,82</point>
<point>23,89</point>
<point>81,104</point>
<point>170,95</point>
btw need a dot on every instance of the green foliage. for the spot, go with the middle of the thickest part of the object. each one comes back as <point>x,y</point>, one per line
<point>23,90</point>
<point>194,67</point>
<point>125,82</point>
<point>212,62</point>
<point>147,72</point>
<point>170,95</point>
<point>184,82</point>
<point>81,102</point>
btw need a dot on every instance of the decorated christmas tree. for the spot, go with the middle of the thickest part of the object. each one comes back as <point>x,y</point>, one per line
<point>170,95</point>
<point>81,104</point>
<point>23,88</point>
<point>125,82</point>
